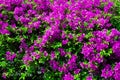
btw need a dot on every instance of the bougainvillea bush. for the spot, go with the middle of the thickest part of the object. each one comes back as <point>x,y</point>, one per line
<point>59,40</point>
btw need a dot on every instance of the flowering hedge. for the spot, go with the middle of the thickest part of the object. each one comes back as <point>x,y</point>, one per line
<point>60,39</point>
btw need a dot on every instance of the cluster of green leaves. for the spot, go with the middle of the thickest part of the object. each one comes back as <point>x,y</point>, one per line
<point>16,69</point>
<point>50,75</point>
<point>115,18</point>
<point>106,53</point>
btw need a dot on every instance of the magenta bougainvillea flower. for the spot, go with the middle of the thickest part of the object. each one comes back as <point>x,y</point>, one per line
<point>60,39</point>
<point>68,77</point>
<point>10,56</point>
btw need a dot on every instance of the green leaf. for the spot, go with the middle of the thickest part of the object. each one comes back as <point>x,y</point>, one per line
<point>108,32</point>
<point>110,51</point>
<point>11,70</point>
<point>57,53</point>
<point>10,39</point>
<point>69,49</point>
<point>68,55</point>
<point>1,39</point>
<point>3,64</point>
<point>25,36</point>
<point>35,19</point>
<point>42,60</point>
<point>24,29</point>
<point>4,12</point>
<point>56,45</point>
<point>9,28</point>
<point>83,75</point>
<point>85,24</point>
<point>17,38</point>
<point>102,52</point>
<point>52,76</point>
<point>23,75</point>
<point>22,66</point>
<point>77,76</point>
<point>106,52</point>
<point>87,36</point>
<point>30,69</point>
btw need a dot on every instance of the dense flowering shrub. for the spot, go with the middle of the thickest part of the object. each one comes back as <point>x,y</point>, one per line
<point>59,40</point>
